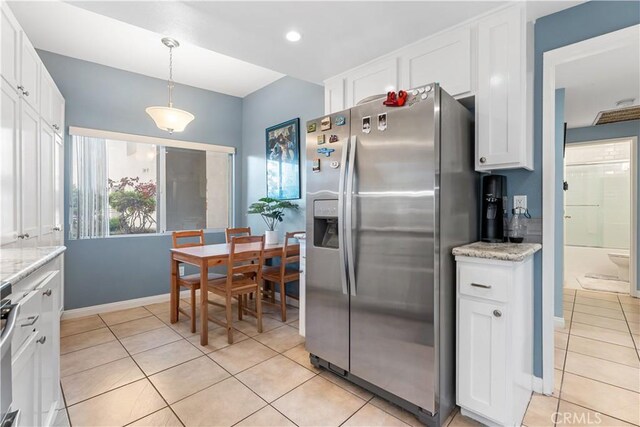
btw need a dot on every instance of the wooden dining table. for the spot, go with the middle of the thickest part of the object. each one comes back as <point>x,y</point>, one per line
<point>204,257</point>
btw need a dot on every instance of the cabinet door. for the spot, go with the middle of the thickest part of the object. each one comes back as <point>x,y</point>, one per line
<point>481,357</point>
<point>58,185</point>
<point>57,113</point>
<point>47,89</point>
<point>47,180</point>
<point>500,141</point>
<point>10,39</point>
<point>29,171</point>
<point>25,367</point>
<point>373,79</point>
<point>9,166</point>
<point>444,59</point>
<point>49,292</point>
<point>334,95</point>
<point>30,73</point>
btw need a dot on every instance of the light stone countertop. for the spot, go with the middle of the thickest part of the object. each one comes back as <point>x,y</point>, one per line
<point>498,251</point>
<point>18,263</point>
<point>301,236</point>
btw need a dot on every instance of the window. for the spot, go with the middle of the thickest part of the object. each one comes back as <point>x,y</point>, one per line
<point>128,184</point>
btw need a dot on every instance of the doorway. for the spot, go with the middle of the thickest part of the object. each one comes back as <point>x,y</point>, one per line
<point>570,56</point>
<point>597,215</point>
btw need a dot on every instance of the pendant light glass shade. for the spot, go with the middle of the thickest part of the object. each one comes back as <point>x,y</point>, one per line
<point>168,118</point>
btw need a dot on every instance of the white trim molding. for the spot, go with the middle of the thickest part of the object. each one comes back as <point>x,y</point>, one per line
<point>551,60</point>
<point>119,305</point>
<point>558,322</point>
<point>119,136</point>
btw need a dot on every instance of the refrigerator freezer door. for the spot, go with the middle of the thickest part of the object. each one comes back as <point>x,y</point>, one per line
<point>393,222</point>
<point>327,295</point>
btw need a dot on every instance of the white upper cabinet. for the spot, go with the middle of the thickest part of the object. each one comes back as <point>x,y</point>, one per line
<point>57,111</point>
<point>334,95</point>
<point>51,102</point>
<point>10,33</point>
<point>9,170</point>
<point>376,78</point>
<point>444,59</point>
<point>31,153</point>
<point>489,58</point>
<point>502,140</point>
<point>30,74</point>
<point>29,166</point>
<point>47,187</point>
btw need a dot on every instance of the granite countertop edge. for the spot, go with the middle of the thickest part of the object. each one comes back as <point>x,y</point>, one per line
<point>25,272</point>
<point>498,251</point>
<point>300,236</point>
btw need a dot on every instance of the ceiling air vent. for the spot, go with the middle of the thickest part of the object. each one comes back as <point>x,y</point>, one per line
<point>626,111</point>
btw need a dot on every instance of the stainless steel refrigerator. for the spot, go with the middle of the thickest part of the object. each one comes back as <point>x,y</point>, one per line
<point>390,191</point>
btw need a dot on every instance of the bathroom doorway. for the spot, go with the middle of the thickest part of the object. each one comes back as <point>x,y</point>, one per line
<point>598,225</point>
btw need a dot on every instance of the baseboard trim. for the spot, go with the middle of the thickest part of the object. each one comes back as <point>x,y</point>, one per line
<point>536,383</point>
<point>119,305</point>
<point>558,322</point>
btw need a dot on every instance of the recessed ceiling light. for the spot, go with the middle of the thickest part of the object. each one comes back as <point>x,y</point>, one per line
<point>293,36</point>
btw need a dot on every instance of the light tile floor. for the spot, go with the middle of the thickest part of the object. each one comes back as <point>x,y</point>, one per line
<point>133,367</point>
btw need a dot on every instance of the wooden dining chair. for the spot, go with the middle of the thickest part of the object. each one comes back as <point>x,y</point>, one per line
<point>244,276</point>
<point>238,231</point>
<point>281,274</point>
<point>190,281</point>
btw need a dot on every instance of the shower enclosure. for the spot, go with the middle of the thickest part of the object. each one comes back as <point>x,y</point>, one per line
<point>597,214</point>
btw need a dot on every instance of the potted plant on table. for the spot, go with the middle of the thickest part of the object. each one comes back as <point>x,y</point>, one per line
<point>272,212</point>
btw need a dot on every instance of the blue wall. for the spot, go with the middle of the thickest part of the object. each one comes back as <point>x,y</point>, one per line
<point>569,26</point>
<point>282,100</point>
<point>100,271</point>
<point>559,224</point>
<point>610,131</point>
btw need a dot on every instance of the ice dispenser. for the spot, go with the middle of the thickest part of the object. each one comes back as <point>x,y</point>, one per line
<point>325,223</point>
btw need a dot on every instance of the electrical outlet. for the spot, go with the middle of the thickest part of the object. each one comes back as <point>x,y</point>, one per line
<point>181,270</point>
<point>520,202</point>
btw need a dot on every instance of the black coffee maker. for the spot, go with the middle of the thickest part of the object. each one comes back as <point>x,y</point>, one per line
<point>494,208</point>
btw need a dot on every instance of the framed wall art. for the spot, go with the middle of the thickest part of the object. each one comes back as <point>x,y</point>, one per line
<point>283,160</point>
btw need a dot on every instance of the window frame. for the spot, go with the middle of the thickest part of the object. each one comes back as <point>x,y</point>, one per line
<point>161,173</point>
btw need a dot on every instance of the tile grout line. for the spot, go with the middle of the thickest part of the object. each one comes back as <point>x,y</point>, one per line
<point>146,377</point>
<point>626,319</point>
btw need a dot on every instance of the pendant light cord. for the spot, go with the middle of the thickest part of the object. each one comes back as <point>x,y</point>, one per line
<point>170,82</point>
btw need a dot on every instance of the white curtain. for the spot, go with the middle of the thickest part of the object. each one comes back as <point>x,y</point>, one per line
<point>89,213</point>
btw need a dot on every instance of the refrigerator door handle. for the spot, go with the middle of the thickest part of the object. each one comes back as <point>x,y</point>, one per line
<point>341,223</point>
<point>349,215</point>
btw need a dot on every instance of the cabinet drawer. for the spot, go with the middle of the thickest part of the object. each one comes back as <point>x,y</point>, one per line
<point>483,281</point>
<point>28,319</point>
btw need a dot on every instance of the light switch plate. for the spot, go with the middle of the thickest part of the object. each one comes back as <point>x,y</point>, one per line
<point>181,270</point>
<point>520,202</point>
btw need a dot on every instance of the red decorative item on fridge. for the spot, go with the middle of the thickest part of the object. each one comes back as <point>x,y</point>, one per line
<point>391,99</point>
<point>394,100</point>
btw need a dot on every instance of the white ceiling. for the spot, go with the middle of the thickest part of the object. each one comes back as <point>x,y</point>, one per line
<point>597,82</point>
<point>71,31</point>
<point>336,35</point>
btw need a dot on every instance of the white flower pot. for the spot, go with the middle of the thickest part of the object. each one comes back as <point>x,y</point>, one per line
<point>270,237</point>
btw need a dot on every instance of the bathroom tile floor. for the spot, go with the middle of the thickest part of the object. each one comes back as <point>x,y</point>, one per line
<point>135,368</point>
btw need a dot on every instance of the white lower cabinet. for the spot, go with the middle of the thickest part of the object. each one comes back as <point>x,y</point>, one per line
<point>25,369</point>
<point>36,345</point>
<point>494,339</point>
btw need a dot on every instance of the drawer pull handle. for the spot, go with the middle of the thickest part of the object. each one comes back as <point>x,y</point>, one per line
<point>31,321</point>
<point>480,285</point>
<point>47,293</point>
<point>497,313</point>
<point>41,340</point>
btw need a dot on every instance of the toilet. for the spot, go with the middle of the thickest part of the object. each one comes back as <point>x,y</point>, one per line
<point>622,262</point>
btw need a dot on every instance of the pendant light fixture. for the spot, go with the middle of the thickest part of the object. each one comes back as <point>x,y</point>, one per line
<point>169,118</point>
